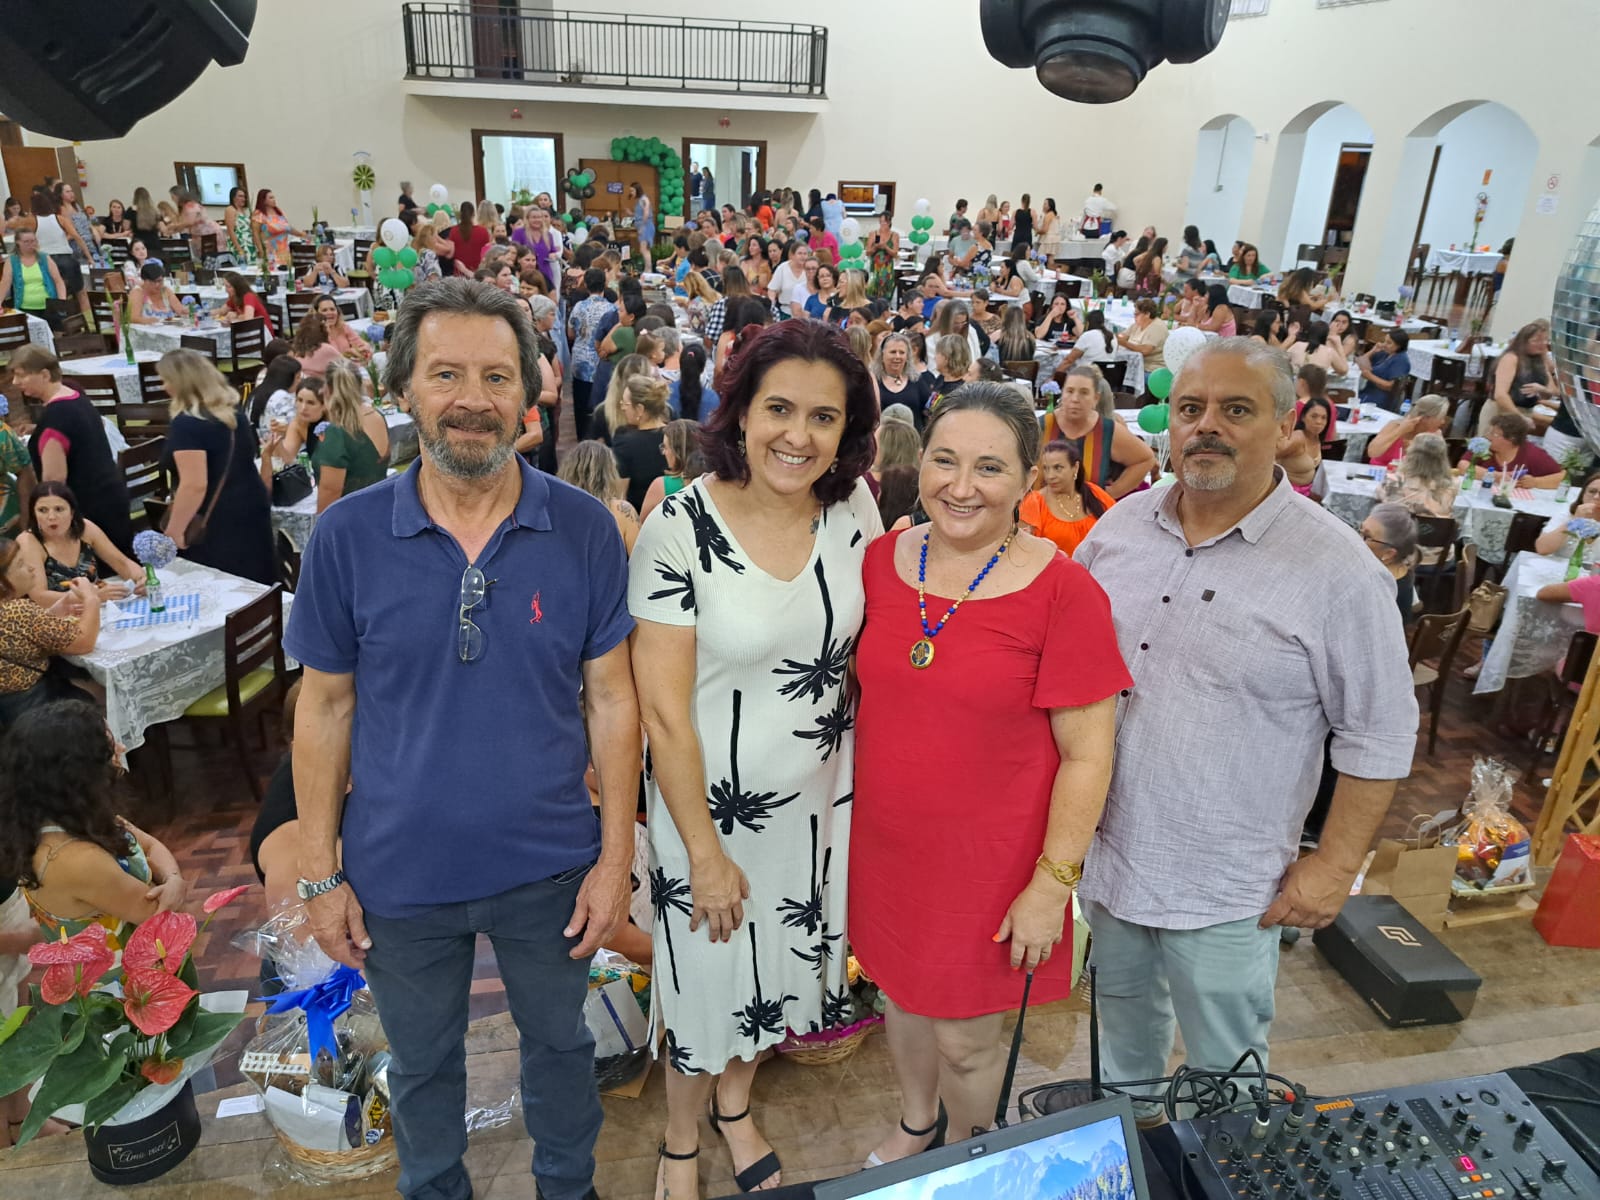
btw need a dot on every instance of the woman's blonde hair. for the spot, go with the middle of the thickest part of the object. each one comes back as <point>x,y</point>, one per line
<point>957,356</point>
<point>1427,462</point>
<point>898,446</point>
<point>591,466</point>
<point>197,388</point>
<point>647,344</point>
<point>683,441</point>
<point>854,286</point>
<point>149,218</point>
<point>860,344</point>
<point>650,393</point>
<point>695,285</point>
<point>343,398</point>
<point>627,367</point>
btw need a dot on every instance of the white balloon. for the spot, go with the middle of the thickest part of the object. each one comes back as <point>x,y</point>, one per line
<point>923,206</point>
<point>394,235</point>
<point>438,193</point>
<point>578,236</point>
<point>1180,344</point>
<point>851,228</point>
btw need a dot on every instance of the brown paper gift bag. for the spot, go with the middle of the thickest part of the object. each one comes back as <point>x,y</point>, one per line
<point>1416,871</point>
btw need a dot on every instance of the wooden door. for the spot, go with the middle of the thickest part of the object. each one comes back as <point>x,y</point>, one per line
<point>27,167</point>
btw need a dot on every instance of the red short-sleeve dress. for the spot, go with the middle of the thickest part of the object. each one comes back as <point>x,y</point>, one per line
<point>954,769</point>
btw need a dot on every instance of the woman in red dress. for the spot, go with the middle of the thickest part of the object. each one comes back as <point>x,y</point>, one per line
<point>984,744</point>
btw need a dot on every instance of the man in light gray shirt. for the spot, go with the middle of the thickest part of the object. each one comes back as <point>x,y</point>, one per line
<point>1253,623</point>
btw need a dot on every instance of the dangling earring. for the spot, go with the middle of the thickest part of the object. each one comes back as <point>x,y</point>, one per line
<point>741,444</point>
<point>833,466</point>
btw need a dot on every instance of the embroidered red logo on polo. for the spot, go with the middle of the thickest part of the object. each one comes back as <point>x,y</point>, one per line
<point>538,611</point>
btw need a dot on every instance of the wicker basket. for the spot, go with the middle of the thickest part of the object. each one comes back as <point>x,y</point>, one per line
<point>332,1166</point>
<point>830,1046</point>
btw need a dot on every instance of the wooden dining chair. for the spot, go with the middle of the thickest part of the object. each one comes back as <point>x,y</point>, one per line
<point>1466,573</point>
<point>288,561</point>
<point>299,304</point>
<point>144,470</point>
<point>255,676</point>
<point>1417,266</point>
<point>142,421</point>
<point>1115,372</point>
<point>116,252</point>
<point>13,335</point>
<point>1523,534</point>
<point>102,306</point>
<point>201,345</point>
<point>1435,533</point>
<point>1562,697</point>
<point>175,254</point>
<point>1335,450</point>
<point>99,390</point>
<point>151,389</point>
<point>1434,641</point>
<point>1449,378</point>
<point>301,256</point>
<point>249,343</point>
<point>1019,368</point>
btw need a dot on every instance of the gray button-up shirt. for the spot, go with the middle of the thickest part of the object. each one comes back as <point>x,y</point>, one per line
<point>1245,651</point>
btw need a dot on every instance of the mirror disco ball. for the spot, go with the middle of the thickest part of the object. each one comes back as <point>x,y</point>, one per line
<point>1575,328</point>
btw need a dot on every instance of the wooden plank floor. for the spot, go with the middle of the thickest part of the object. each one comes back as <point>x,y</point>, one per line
<point>1537,1002</point>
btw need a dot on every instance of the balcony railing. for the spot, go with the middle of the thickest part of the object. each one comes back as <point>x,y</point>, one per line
<point>482,41</point>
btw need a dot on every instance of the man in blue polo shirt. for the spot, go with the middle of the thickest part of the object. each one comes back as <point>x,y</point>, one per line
<point>447,619</point>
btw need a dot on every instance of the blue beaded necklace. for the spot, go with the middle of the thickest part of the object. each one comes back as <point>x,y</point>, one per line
<point>922,648</point>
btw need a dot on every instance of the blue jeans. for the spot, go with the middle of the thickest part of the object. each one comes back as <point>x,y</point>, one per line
<point>1216,984</point>
<point>420,972</point>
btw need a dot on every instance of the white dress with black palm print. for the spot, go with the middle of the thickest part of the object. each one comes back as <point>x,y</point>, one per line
<point>776,730</point>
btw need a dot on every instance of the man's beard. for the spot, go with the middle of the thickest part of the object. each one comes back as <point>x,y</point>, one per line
<point>473,460</point>
<point>1210,477</point>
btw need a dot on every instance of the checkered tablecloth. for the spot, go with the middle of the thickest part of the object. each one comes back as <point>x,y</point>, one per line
<point>176,610</point>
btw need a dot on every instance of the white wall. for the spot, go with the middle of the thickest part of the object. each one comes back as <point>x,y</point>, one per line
<point>989,128</point>
<point>1489,137</point>
<point>1318,162</point>
<point>1220,180</point>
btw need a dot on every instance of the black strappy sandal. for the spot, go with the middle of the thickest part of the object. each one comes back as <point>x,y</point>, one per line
<point>757,1172</point>
<point>939,1128</point>
<point>663,1153</point>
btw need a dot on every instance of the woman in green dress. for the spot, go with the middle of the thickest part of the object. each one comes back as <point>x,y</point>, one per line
<point>355,444</point>
<point>239,240</point>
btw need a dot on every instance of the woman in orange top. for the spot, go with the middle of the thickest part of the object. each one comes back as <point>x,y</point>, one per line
<point>1067,505</point>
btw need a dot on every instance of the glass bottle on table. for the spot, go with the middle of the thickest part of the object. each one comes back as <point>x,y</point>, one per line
<point>152,590</point>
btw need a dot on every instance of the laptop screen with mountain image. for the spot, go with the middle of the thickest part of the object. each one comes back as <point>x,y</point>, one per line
<point>1077,1154</point>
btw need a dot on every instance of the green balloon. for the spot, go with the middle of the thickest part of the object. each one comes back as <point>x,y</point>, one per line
<point>852,250</point>
<point>1153,418</point>
<point>1160,384</point>
<point>917,237</point>
<point>396,278</point>
<point>408,257</point>
<point>384,257</point>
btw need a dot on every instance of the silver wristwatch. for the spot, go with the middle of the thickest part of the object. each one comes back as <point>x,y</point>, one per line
<point>307,890</point>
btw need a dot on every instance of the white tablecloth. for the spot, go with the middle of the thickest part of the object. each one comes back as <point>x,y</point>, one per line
<point>1358,433</point>
<point>1533,635</point>
<point>1422,352</point>
<point>297,520</point>
<point>1243,295</point>
<point>118,367</point>
<point>152,674</point>
<point>1467,262</point>
<point>1353,488</point>
<point>215,297</point>
<point>163,338</point>
<point>1048,355</point>
<point>369,232</point>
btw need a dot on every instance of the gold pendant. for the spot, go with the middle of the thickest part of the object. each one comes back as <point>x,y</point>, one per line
<point>921,654</point>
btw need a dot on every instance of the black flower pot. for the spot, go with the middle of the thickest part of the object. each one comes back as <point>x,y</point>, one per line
<point>147,1148</point>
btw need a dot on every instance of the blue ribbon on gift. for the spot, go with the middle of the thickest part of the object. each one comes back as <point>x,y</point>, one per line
<point>322,1003</point>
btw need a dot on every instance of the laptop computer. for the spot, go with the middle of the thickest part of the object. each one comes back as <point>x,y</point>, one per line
<point>1091,1150</point>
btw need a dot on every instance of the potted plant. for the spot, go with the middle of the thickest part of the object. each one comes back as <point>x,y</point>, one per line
<point>121,1041</point>
<point>1098,283</point>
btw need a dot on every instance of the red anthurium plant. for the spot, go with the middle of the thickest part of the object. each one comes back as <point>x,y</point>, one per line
<point>98,1035</point>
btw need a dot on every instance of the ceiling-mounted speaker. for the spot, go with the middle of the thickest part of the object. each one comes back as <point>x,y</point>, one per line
<point>87,69</point>
<point>1099,51</point>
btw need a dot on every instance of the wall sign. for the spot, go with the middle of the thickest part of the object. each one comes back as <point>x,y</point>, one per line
<point>614,189</point>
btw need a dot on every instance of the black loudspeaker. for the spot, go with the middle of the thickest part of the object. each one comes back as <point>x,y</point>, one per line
<point>88,69</point>
<point>1098,51</point>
